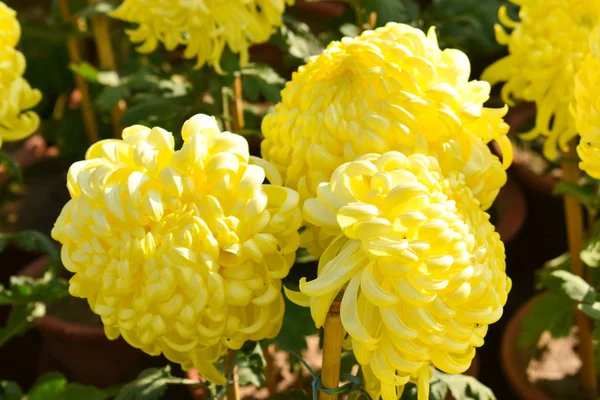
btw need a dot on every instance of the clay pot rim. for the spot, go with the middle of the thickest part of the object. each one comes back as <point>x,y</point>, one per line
<point>511,362</point>
<point>57,326</point>
<point>511,217</point>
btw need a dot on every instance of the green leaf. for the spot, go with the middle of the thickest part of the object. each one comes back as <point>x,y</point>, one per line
<point>76,391</point>
<point>587,193</point>
<point>151,384</point>
<point>261,79</point>
<point>11,166</point>
<point>410,392</point>
<point>297,325</point>
<point>296,39</point>
<point>20,319</point>
<point>251,364</point>
<point>49,387</point>
<point>551,312</point>
<point>571,285</point>
<point>86,70</point>
<point>24,289</point>
<point>10,391</point>
<point>464,387</point>
<point>100,8</point>
<point>110,97</point>
<point>590,255</point>
<point>393,10</point>
<point>592,310</point>
<point>596,332</point>
<point>108,78</point>
<point>148,110</point>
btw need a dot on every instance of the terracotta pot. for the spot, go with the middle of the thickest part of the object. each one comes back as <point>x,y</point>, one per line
<point>321,10</point>
<point>511,210</point>
<point>514,361</point>
<point>83,352</point>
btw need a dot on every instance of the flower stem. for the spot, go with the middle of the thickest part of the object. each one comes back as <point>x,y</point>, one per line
<point>574,220</point>
<point>332,350</point>
<point>87,108</point>
<point>106,56</point>
<point>233,386</point>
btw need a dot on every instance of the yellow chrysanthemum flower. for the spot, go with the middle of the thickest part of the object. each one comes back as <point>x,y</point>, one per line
<point>389,89</point>
<point>421,268</point>
<point>204,27</point>
<point>587,108</point>
<point>16,95</point>
<point>180,252</point>
<point>546,49</point>
<point>10,29</point>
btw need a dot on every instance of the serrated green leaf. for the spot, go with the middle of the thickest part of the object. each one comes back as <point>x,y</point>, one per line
<point>48,387</point>
<point>297,40</point>
<point>10,391</point>
<point>571,285</point>
<point>99,8</point>
<point>550,312</point>
<point>410,392</point>
<point>463,387</point>
<point>587,194</point>
<point>591,310</point>
<point>11,166</point>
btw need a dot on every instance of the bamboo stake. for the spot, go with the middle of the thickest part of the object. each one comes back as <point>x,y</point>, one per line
<point>106,56</point>
<point>271,370</point>
<point>233,387</point>
<point>574,220</point>
<point>236,105</point>
<point>87,109</point>
<point>332,350</point>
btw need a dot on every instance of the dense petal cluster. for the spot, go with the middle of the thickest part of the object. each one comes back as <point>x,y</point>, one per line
<point>204,27</point>
<point>16,95</point>
<point>389,89</point>
<point>180,252</point>
<point>546,49</point>
<point>421,268</point>
<point>587,108</point>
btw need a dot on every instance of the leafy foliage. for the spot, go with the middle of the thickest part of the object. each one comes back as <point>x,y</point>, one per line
<point>52,386</point>
<point>551,312</point>
<point>461,387</point>
<point>151,384</point>
<point>297,325</point>
<point>404,11</point>
<point>11,166</point>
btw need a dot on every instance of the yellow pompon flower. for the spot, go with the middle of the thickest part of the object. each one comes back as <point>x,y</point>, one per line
<point>16,95</point>
<point>180,252</point>
<point>421,267</point>
<point>389,89</point>
<point>204,27</point>
<point>586,108</point>
<point>546,49</point>
<point>10,29</point>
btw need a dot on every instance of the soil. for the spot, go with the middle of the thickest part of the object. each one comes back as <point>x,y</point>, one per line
<point>555,367</point>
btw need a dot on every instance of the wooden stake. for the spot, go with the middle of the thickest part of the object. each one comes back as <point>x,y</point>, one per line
<point>233,386</point>
<point>332,350</point>
<point>106,56</point>
<point>87,108</point>
<point>574,220</point>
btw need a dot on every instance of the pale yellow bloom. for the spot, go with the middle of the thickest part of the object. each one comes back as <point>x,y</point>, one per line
<point>389,89</point>
<point>16,95</point>
<point>420,265</point>
<point>204,27</point>
<point>180,252</point>
<point>587,108</point>
<point>546,49</point>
